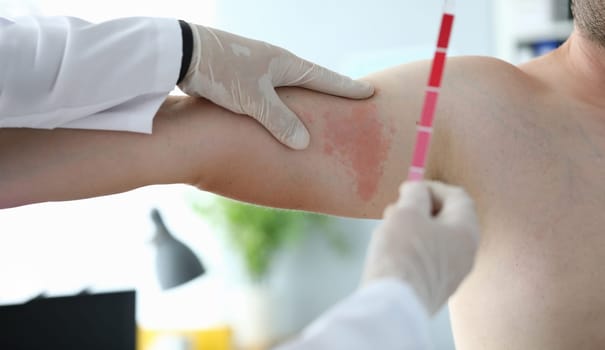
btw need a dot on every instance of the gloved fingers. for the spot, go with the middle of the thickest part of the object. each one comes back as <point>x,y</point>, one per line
<point>315,77</point>
<point>282,123</point>
<point>415,194</point>
<point>458,214</point>
<point>440,193</point>
<point>456,206</point>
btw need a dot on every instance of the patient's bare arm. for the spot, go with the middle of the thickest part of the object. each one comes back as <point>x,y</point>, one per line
<point>358,156</point>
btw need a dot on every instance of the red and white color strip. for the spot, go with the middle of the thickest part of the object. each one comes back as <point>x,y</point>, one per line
<point>425,125</point>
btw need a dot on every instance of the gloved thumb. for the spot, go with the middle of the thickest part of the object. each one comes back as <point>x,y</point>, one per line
<point>283,124</point>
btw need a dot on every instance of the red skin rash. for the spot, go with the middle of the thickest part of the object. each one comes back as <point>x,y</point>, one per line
<point>358,140</point>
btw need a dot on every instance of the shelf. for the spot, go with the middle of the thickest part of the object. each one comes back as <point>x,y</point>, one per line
<point>558,31</point>
<point>523,28</point>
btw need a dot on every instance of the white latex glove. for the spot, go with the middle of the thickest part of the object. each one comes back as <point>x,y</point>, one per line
<point>428,238</point>
<point>241,74</point>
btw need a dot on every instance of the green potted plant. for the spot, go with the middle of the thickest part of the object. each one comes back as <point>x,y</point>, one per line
<point>259,233</point>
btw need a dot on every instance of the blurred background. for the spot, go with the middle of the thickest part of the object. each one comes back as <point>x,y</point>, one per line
<point>251,278</point>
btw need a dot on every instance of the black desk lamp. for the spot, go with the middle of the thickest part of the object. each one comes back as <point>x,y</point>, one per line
<point>175,263</point>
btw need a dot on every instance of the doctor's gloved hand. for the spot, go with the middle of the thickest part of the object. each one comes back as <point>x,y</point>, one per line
<point>428,238</point>
<point>241,74</point>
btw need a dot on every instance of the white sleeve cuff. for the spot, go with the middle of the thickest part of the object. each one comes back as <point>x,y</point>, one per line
<point>136,114</point>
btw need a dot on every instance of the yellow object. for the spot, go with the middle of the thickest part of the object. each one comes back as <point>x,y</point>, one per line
<point>218,338</point>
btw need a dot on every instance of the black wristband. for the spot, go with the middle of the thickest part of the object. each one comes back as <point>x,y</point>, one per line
<point>187,35</point>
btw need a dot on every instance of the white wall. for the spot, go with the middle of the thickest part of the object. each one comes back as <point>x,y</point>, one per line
<point>334,33</point>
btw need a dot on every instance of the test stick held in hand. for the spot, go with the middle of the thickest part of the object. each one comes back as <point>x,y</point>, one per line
<point>425,126</point>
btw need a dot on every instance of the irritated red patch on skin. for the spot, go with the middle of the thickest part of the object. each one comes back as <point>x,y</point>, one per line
<point>359,140</point>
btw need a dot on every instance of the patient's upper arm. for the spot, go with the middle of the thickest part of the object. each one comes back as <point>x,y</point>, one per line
<point>359,153</point>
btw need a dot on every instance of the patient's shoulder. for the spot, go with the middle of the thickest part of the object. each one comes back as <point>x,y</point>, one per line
<point>464,77</point>
<point>485,62</point>
<point>479,96</point>
<point>475,84</point>
<point>484,71</point>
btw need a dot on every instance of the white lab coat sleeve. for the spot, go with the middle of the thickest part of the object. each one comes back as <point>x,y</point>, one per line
<point>384,315</point>
<point>66,72</point>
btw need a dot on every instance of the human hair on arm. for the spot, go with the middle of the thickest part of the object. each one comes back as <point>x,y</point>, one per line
<point>358,156</point>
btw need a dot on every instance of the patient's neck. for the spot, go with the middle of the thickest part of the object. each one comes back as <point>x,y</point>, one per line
<point>582,72</point>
